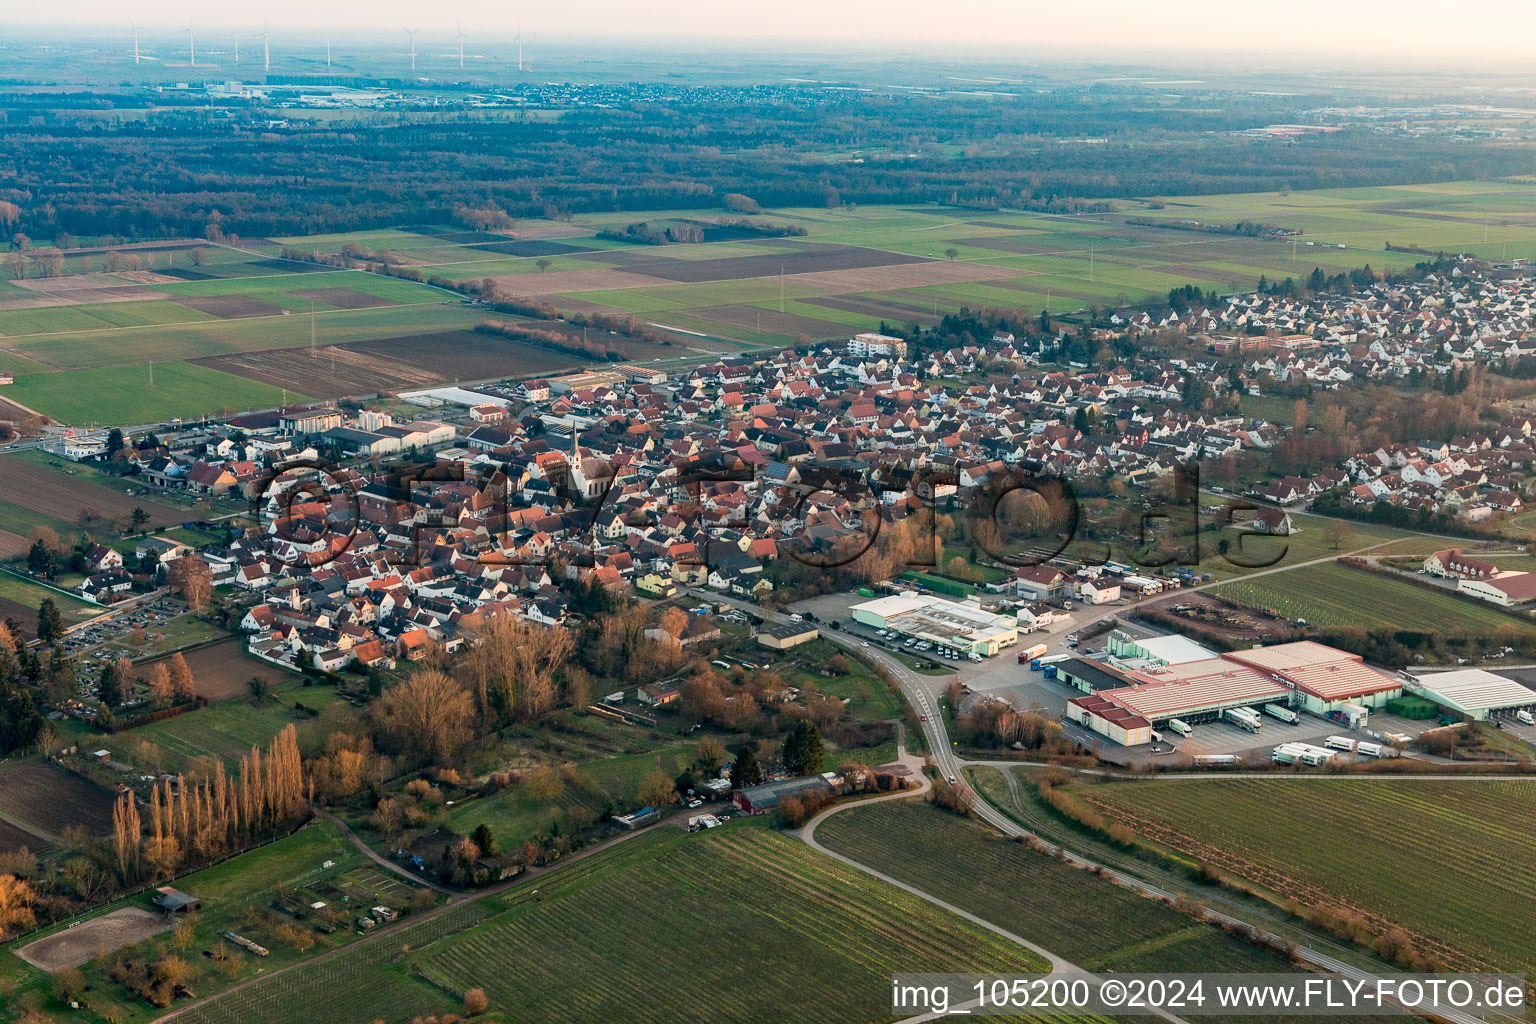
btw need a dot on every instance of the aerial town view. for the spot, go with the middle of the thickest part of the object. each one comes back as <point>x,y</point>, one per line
<point>848,513</point>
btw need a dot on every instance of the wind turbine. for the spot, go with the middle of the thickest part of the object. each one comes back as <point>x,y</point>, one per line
<point>191,44</point>
<point>237,47</point>
<point>460,38</point>
<point>412,33</point>
<point>135,30</point>
<point>266,47</point>
<point>519,47</point>
<point>327,51</point>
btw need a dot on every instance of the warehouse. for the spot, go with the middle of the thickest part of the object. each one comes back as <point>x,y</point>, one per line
<point>962,626</point>
<point>1197,691</point>
<point>1091,676</point>
<point>1107,718</point>
<point>1323,677</point>
<point>781,638</point>
<point>1474,692</point>
<point>1132,653</point>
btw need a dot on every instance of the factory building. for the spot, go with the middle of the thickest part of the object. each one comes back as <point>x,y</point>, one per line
<point>1325,678</point>
<point>1133,653</point>
<point>959,625</point>
<point>1474,692</point>
<point>1110,719</point>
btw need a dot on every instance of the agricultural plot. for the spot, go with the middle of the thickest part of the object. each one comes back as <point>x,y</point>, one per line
<point>229,729</point>
<point>1331,594</point>
<point>1444,859</point>
<point>20,599</point>
<point>51,798</point>
<point>590,944</point>
<point>46,485</point>
<point>222,670</point>
<point>139,394</point>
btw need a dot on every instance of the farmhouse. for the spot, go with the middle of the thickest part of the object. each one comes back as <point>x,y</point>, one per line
<point>1451,562</point>
<point>1506,589</point>
<point>1474,692</point>
<point>962,626</point>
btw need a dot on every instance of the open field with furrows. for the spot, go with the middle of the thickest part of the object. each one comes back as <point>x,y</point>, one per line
<point>1448,861</point>
<point>42,794</point>
<point>44,485</point>
<point>141,394</point>
<point>222,670</point>
<point>813,939</point>
<point>1338,595</point>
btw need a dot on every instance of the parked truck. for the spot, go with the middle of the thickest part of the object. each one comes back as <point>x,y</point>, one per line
<point>1524,717</point>
<point>1030,653</point>
<point>1180,726</point>
<point>1243,718</point>
<point>1340,743</point>
<point>1285,714</point>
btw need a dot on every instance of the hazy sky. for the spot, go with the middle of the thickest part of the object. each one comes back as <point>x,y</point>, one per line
<point>1414,30</point>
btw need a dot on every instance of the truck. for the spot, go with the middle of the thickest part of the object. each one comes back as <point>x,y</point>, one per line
<point>1180,726</point>
<point>1285,714</point>
<point>1243,718</point>
<point>1354,715</point>
<point>1030,653</point>
<point>1340,743</point>
<point>1525,717</point>
<point>1049,671</point>
<point>1211,760</point>
<point>1365,748</point>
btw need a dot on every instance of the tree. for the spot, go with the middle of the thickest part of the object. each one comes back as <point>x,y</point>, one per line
<point>191,577</point>
<point>109,687</point>
<point>138,517</point>
<point>512,668</point>
<point>1337,533</point>
<point>745,771</point>
<point>485,839</point>
<point>114,443</point>
<point>260,688</point>
<point>709,756</point>
<point>430,715</point>
<point>951,254</point>
<point>16,901</point>
<point>50,623</point>
<point>674,621</point>
<point>475,1002</point>
<point>803,754</point>
<point>183,686</point>
<point>40,560</point>
<point>656,790</point>
<point>543,263</point>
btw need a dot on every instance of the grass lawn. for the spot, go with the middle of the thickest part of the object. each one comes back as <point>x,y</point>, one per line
<point>26,592</point>
<point>228,729</point>
<point>122,394</point>
<point>1446,860</point>
<point>1331,594</point>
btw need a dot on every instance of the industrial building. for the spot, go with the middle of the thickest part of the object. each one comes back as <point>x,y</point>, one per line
<point>781,638</point>
<point>1325,678</point>
<point>1307,675</point>
<point>1133,653</point>
<point>1474,692</point>
<point>959,625</point>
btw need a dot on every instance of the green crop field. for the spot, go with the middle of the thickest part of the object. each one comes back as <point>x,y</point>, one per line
<point>785,928</point>
<point>228,729</point>
<point>1331,594</point>
<point>122,394</point>
<point>1447,860</point>
<point>619,934</point>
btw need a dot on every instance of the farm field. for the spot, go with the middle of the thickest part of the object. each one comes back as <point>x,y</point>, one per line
<point>51,798</point>
<point>1331,594</point>
<point>125,394</point>
<point>20,599</point>
<point>44,484</point>
<point>833,935</point>
<point>221,670</point>
<point>1443,859</point>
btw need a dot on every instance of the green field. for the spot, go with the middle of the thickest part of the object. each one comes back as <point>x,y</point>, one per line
<point>122,394</point>
<point>228,729</point>
<point>25,592</point>
<point>665,927</point>
<point>1446,860</point>
<point>1331,594</point>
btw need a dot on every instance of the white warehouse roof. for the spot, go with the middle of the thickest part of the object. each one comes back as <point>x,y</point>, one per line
<point>1473,689</point>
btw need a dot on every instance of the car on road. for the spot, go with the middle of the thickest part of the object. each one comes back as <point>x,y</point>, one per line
<point>925,718</point>
<point>864,644</point>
